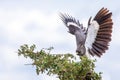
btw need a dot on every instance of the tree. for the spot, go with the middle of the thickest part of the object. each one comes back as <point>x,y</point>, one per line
<point>64,65</point>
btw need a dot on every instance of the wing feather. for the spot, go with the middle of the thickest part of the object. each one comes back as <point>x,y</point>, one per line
<point>71,21</point>
<point>91,52</point>
<point>76,29</point>
<point>67,18</point>
<point>102,33</point>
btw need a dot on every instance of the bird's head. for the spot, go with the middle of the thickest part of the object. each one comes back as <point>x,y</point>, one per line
<point>81,50</point>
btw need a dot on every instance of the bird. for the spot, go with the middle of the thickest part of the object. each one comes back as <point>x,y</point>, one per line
<point>93,40</point>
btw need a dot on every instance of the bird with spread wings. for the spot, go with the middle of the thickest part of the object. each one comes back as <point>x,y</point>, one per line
<point>95,39</point>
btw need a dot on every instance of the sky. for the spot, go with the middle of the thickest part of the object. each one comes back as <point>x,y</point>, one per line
<point>38,22</point>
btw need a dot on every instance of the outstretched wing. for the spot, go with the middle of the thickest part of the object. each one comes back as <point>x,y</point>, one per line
<point>99,33</point>
<point>72,23</point>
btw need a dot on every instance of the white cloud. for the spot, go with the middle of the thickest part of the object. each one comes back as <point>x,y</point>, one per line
<point>17,30</point>
<point>14,22</point>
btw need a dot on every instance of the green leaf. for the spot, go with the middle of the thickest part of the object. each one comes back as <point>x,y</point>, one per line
<point>63,65</point>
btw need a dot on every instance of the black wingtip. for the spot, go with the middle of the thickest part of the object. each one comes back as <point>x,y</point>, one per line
<point>63,18</point>
<point>89,20</point>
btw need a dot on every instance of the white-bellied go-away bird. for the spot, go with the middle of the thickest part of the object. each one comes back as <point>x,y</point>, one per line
<point>95,39</point>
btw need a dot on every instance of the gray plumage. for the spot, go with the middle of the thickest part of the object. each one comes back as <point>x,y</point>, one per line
<point>93,40</point>
<point>77,29</point>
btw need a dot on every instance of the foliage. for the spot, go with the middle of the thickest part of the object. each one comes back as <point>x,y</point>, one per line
<point>64,65</point>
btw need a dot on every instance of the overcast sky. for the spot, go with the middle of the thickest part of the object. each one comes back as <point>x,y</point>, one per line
<point>37,22</point>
